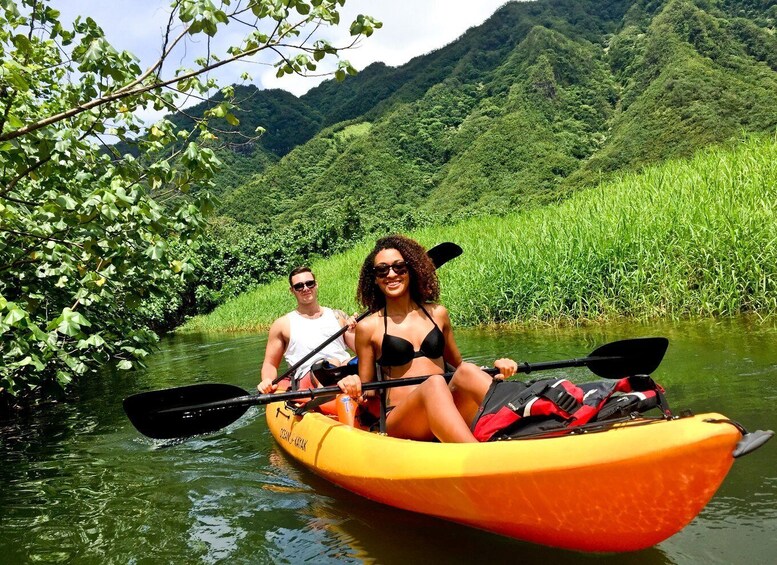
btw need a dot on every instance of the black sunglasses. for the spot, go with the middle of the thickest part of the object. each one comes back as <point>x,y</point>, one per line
<point>301,285</point>
<point>382,269</point>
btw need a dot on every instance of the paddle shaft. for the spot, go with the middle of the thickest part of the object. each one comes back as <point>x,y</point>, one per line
<point>550,365</point>
<point>310,393</point>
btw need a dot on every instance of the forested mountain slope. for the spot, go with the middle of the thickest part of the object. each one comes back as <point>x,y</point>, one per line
<point>542,99</point>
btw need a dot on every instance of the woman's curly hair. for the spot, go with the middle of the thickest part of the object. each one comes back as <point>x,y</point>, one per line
<point>424,286</point>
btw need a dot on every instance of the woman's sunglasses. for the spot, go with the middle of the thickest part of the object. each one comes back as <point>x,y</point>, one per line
<point>301,285</point>
<point>382,269</point>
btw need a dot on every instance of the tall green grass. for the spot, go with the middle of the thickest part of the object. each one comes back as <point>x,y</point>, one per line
<point>686,239</point>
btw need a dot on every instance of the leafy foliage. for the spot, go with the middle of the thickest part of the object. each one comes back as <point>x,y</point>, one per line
<point>96,245</point>
<point>237,257</point>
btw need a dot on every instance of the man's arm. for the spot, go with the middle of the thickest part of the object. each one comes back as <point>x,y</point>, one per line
<point>277,341</point>
<point>350,335</point>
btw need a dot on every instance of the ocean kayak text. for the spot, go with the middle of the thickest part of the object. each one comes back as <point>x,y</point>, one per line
<point>296,441</point>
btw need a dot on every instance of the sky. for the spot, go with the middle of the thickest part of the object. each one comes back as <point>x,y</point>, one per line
<point>410,28</point>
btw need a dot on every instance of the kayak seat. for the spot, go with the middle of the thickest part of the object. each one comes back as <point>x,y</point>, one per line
<point>327,374</point>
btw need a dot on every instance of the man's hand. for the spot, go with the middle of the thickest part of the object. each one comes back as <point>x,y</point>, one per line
<point>266,386</point>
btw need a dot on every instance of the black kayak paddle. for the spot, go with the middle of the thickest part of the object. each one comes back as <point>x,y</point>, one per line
<point>197,409</point>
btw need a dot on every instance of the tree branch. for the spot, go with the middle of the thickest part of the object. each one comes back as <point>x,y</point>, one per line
<point>136,88</point>
<point>42,237</point>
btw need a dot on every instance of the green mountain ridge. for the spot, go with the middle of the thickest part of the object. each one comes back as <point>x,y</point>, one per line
<point>543,98</point>
<point>470,58</point>
<point>687,83</point>
<point>540,101</point>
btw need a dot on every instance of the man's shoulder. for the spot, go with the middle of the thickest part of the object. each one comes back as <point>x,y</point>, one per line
<point>339,314</point>
<point>282,324</point>
<point>285,318</point>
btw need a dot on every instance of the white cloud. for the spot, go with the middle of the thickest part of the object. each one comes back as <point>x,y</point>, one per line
<point>410,28</point>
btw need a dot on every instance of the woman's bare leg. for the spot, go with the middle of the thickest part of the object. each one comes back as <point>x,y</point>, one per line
<point>429,411</point>
<point>469,386</point>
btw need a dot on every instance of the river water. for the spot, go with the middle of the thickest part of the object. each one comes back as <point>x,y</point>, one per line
<point>78,484</point>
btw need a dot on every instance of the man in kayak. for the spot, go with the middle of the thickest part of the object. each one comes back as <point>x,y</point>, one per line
<point>296,334</point>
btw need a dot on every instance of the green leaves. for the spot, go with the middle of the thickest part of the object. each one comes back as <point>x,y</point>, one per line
<point>75,225</point>
<point>344,67</point>
<point>157,251</point>
<point>95,240</point>
<point>223,110</point>
<point>202,16</point>
<point>69,323</point>
<point>365,25</point>
<point>14,315</point>
<point>95,52</point>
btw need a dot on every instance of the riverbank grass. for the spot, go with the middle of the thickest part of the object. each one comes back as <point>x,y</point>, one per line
<point>689,238</point>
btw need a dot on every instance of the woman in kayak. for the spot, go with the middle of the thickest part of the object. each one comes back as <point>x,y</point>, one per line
<point>408,334</point>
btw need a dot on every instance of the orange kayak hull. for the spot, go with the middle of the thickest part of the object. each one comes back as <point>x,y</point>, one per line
<point>624,489</point>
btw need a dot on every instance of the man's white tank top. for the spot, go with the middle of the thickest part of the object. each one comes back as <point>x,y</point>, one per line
<point>305,334</point>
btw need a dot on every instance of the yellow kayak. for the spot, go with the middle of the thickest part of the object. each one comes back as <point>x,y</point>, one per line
<point>623,489</point>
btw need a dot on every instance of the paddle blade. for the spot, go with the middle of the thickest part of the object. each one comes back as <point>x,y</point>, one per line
<point>627,357</point>
<point>145,410</point>
<point>443,252</point>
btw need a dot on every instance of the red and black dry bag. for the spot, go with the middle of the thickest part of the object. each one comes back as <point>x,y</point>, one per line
<point>513,409</point>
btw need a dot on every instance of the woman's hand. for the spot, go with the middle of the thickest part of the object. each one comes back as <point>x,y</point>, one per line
<point>351,385</point>
<point>507,368</point>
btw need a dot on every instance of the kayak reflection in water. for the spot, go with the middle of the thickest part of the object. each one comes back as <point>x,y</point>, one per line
<point>408,334</point>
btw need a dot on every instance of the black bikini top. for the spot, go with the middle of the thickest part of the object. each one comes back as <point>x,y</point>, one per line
<point>396,351</point>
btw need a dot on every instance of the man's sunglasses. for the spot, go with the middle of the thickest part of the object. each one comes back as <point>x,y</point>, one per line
<point>382,269</point>
<point>302,285</point>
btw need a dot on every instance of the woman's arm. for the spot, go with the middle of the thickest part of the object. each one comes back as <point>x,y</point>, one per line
<point>365,350</point>
<point>451,355</point>
<point>352,385</point>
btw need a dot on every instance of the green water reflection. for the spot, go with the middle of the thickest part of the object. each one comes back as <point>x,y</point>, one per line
<point>79,485</point>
